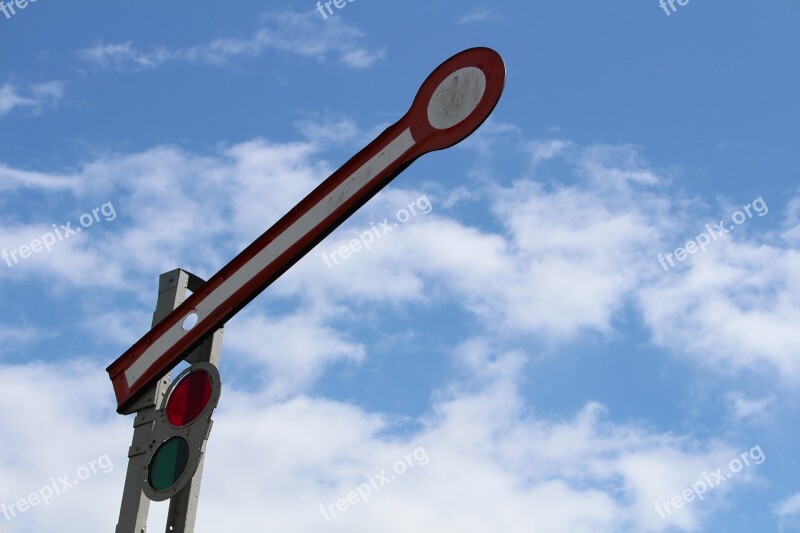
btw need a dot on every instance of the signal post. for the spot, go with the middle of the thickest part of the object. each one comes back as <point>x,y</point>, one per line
<point>171,428</point>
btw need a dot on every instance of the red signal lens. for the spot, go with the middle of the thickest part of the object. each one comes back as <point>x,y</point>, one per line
<point>189,398</point>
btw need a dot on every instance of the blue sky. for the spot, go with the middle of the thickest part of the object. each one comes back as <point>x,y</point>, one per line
<point>521,331</point>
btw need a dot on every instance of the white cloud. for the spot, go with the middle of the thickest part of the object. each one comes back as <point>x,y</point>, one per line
<point>302,34</point>
<point>548,149</point>
<point>734,306</point>
<point>73,261</point>
<point>288,352</point>
<point>125,56</point>
<point>789,506</point>
<point>568,259</point>
<point>9,99</point>
<point>492,464</point>
<point>56,421</point>
<point>37,97</point>
<point>788,512</point>
<point>745,408</point>
<point>172,210</point>
<point>479,14</point>
<point>12,178</point>
<point>580,254</point>
<point>16,335</point>
<point>335,132</point>
<point>118,326</point>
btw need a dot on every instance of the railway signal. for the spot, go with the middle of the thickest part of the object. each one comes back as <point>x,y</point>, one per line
<point>451,104</point>
<point>173,421</point>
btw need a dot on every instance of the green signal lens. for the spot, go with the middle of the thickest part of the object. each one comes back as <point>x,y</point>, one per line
<point>168,464</point>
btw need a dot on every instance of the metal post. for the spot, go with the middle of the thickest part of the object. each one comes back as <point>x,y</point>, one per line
<point>183,507</point>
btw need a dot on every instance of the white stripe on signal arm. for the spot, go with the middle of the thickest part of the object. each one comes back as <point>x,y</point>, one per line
<point>294,233</point>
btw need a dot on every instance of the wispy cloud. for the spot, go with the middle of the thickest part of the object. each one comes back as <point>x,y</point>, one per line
<point>479,14</point>
<point>788,512</point>
<point>17,334</point>
<point>37,97</point>
<point>124,56</point>
<point>744,408</point>
<point>14,178</point>
<point>301,34</point>
<point>313,346</point>
<point>545,150</point>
